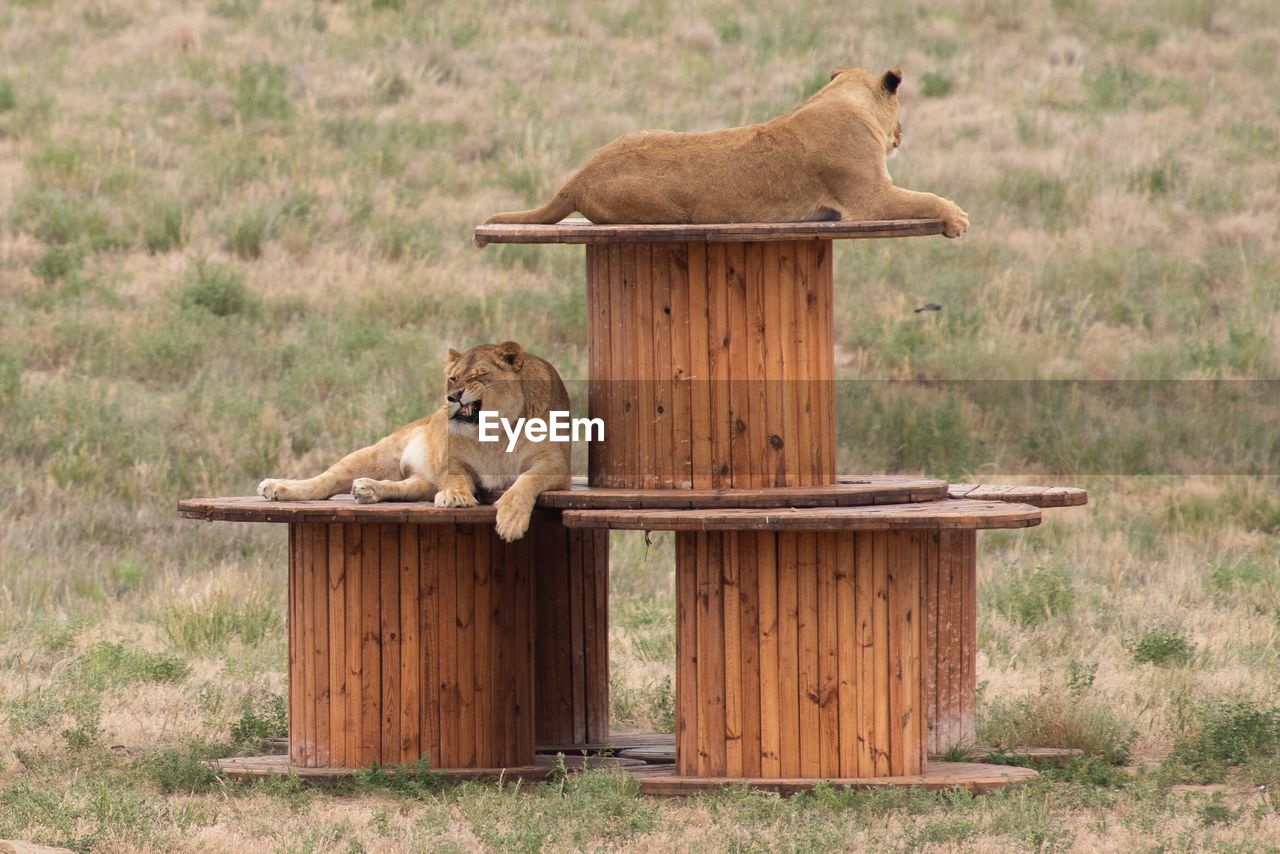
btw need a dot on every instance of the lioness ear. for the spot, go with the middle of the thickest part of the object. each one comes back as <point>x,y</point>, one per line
<point>511,353</point>
<point>453,356</point>
<point>835,72</point>
<point>892,78</point>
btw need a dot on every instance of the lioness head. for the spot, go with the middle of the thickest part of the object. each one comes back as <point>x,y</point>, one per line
<point>485,377</point>
<point>876,93</point>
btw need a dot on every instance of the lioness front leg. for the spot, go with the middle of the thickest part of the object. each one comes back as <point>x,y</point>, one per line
<point>369,491</point>
<point>377,460</point>
<point>515,506</point>
<point>457,491</point>
<point>908,204</point>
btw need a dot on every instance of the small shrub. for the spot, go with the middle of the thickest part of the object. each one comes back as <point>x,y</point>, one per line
<point>936,85</point>
<point>58,263</point>
<point>1163,646</point>
<point>108,664</point>
<point>247,232</point>
<point>260,91</point>
<point>8,95</point>
<point>207,627</point>
<point>1112,87</point>
<point>1215,811</point>
<point>1161,178</point>
<point>186,770</point>
<point>1057,720</point>
<point>264,716</point>
<point>162,227</point>
<point>10,377</point>
<point>1028,596</point>
<point>217,289</point>
<point>1080,676</point>
<point>1223,733</point>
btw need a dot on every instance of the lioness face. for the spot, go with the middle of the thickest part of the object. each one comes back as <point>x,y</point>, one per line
<point>484,377</point>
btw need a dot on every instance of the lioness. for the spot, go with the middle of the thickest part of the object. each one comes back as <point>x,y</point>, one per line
<point>824,160</point>
<point>441,456</point>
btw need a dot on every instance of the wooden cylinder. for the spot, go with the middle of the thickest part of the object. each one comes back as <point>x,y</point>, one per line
<point>951,648</point>
<point>799,653</point>
<point>571,636</point>
<point>410,640</point>
<point>711,364</point>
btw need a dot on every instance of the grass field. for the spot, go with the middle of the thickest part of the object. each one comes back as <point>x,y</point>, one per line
<point>235,242</point>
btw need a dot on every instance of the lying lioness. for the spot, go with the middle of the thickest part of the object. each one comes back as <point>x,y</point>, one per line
<point>824,160</point>
<point>441,457</point>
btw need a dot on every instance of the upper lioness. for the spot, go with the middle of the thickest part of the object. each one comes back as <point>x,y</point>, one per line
<point>823,160</point>
<point>441,456</point>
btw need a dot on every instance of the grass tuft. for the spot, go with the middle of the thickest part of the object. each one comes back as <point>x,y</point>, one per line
<point>217,289</point>
<point>1163,646</point>
<point>1221,733</point>
<point>106,664</point>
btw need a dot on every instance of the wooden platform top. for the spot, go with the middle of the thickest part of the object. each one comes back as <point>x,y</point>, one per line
<point>585,231</point>
<point>1036,496</point>
<point>926,515</point>
<point>851,490</point>
<point>340,508</point>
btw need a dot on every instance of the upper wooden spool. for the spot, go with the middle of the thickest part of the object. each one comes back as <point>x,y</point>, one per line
<point>585,231</point>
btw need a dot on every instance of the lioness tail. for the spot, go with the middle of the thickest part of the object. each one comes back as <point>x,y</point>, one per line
<point>552,212</point>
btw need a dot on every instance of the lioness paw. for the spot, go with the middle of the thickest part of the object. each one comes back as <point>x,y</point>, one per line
<point>455,498</point>
<point>513,516</point>
<point>365,490</point>
<point>955,222</point>
<point>274,490</point>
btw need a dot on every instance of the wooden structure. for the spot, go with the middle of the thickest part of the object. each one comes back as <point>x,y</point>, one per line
<point>824,624</point>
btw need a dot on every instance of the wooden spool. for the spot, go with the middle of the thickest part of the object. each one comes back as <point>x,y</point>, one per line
<point>415,631</point>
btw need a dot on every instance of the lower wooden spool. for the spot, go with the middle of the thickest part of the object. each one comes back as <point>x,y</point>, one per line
<point>800,654</point>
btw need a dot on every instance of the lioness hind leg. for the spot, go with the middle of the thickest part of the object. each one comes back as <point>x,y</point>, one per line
<point>380,460</point>
<point>369,491</point>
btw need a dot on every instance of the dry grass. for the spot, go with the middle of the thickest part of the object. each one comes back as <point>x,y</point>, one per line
<point>234,240</point>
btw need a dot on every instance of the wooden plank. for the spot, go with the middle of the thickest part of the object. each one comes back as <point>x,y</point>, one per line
<point>788,577</point>
<point>700,367</point>
<point>593,554</point>
<point>430,562</point>
<point>864,617</point>
<point>711,718</point>
<point>880,652</point>
<point>939,776</point>
<point>353,624</point>
<point>336,604</point>
<point>762,300</point>
<point>660,397</point>
<point>793,451</point>
<point>810,712</point>
<point>447,642</point>
<point>466,622</point>
<point>732,642</point>
<point>370,650</point>
<point>931,640</point>
<point>767,615</point>
<point>522,649</point>
<point>829,642</point>
<point>410,724</point>
<point>319,601</point>
<point>599,329</point>
<point>297,677</point>
<point>487,731</point>
<point>807,431</point>
<point>389,640</point>
<point>847,683</point>
<point>642,331</point>
<point>850,491</point>
<point>680,282</point>
<point>969,649</point>
<point>572,615</point>
<point>575,230</point>
<point>822,351</point>
<point>749,646</point>
<point>688,705</point>
<point>617,445</point>
<point>720,336</point>
<point>930,515</point>
<point>739,335</point>
<point>315,552</point>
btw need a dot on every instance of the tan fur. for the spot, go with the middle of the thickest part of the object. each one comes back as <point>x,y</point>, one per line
<point>440,457</point>
<point>823,160</point>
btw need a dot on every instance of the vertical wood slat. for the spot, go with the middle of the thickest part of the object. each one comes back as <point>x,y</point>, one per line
<point>720,337</point>
<point>572,616</point>
<point>482,667</point>
<point>847,685</point>
<point>688,705</point>
<point>788,573</point>
<point>336,607</point>
<point>297,754</point>
<point>663,387</point>
<point>429,551</point>
<point>411,647</point>
<point>864,637</point>
<point>699,290</point>
<point>750,646</point>
<point>680,281</point>
<point>711,718</point>
<point>464,589</point>
<point>389,640</point>
<point>741,341</point>
<point>731,604</point>
<point>353,570</point>
<point>767,597</point>
<point>830,644</point>
<point>319,651</point>
<point>807,596</point>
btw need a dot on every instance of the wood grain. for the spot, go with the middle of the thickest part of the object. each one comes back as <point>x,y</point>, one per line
<point>584,231</point>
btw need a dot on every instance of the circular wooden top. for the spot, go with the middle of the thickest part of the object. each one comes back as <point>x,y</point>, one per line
<point>849,491</point>
<point>925,515</point>
<point>585,231</point>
